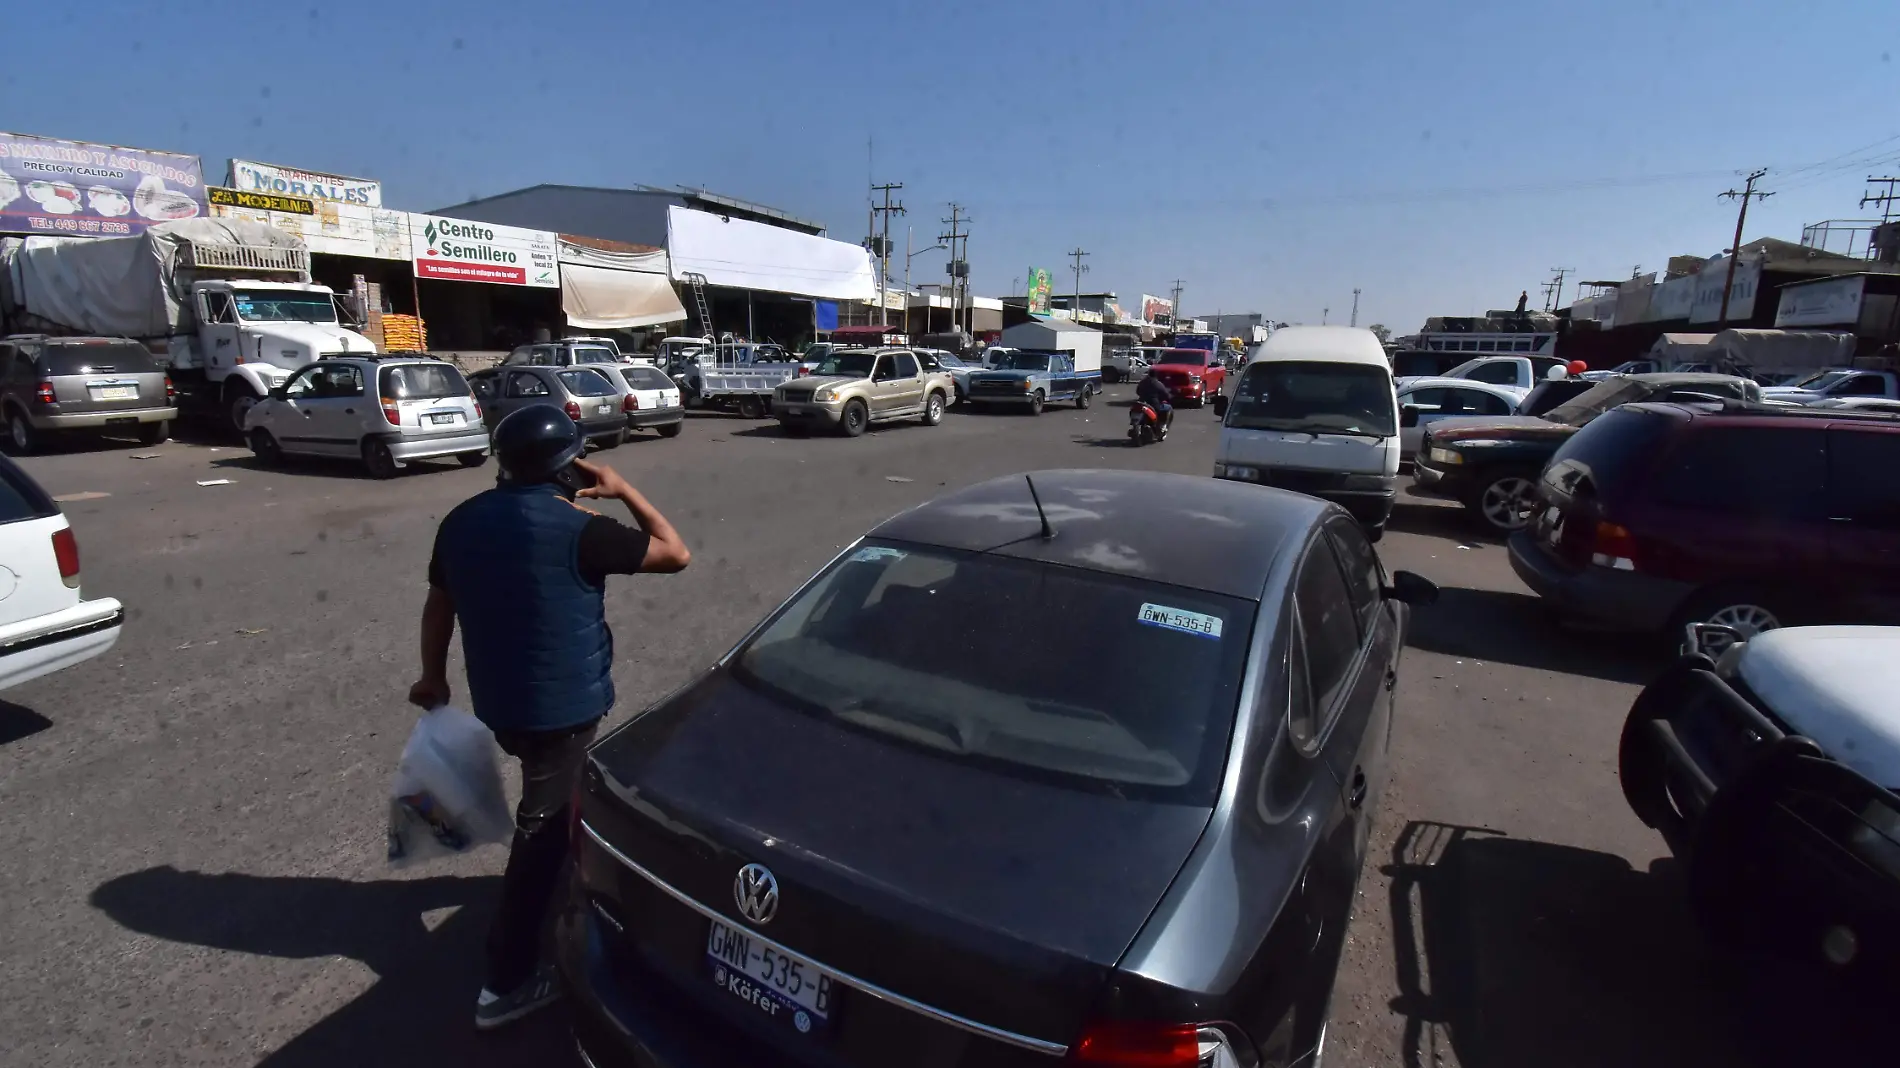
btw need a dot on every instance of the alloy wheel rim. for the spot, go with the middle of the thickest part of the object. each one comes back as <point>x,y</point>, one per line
<point>18,428</point>
<point>1505,502</point>
<point>1747,620</point>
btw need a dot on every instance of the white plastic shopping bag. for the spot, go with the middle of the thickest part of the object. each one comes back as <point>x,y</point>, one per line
<point>447,796</point>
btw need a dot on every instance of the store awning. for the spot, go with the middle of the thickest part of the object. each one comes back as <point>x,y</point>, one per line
<point>748,255</point>
<point>596,298</point>
<point>864,333</point>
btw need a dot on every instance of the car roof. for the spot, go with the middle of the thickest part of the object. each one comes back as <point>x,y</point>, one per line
<point>1743,413</point>
<point>1324,344</point>
<point>1184,530</point>
<point>1512,393</point>
<point>1834,685</point>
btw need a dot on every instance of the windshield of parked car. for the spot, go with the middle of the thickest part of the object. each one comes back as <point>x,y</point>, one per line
<point>1095,680</point>
<point>423,380</point>
<point>1596,400</point>
<point>1029,361</point>
<point>646,378</point>
<point>587,383</point>
<point>848,364</point>
<point>1315,397</point>
<point>283,306</point>
<point>595,354</point>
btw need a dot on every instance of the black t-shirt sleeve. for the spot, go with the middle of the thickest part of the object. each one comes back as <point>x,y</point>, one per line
<point>610,547</point>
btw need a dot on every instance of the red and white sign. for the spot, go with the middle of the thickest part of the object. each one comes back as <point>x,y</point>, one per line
<point>464,251</point>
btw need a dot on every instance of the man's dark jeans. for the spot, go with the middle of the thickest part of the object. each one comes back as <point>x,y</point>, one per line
<point>550,767</point>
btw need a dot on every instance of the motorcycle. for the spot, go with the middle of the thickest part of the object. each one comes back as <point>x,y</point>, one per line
<point>1144,425</point>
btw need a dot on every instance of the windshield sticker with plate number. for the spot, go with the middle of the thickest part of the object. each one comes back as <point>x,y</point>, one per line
<point>873,553</point>
<point>1156,615</point>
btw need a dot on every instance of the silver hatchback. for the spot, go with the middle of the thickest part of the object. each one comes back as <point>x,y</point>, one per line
<point>385,412</point>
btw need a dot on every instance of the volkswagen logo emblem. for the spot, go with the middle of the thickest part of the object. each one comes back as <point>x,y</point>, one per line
<point>756,892</point>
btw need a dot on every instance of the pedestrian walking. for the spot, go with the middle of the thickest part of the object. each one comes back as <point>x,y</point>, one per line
<point>522,568</point>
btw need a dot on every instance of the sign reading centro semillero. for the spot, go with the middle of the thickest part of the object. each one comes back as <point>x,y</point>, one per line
<point>464,251</point>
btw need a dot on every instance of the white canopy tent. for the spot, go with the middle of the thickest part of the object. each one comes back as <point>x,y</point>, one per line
<point>603,290</point>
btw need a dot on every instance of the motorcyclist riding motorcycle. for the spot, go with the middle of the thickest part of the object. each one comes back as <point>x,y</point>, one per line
<point>1155,393</point>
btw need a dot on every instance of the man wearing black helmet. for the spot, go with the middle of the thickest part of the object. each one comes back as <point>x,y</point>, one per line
<point>523,569</point>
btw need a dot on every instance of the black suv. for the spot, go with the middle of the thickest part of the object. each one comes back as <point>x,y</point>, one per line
<point>1490,464</point>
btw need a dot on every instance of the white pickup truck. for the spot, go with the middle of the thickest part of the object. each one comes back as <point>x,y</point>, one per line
<point>1836,383</point>
<point>1517,373</point>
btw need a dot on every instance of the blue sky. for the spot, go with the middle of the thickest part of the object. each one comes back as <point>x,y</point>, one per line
<point>1439,156</point>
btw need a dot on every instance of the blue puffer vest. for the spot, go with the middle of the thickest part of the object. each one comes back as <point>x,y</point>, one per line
<point>534,632</point>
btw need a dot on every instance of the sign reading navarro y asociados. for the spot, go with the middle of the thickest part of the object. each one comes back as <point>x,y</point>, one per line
<point>81,189</point>
<point>465,251</point>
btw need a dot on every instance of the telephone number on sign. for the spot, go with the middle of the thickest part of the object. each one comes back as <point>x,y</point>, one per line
<point>79,226</point>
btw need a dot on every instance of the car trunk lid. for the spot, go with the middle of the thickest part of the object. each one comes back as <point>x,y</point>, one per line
<point>101,377</point>
<point>1000,899</point>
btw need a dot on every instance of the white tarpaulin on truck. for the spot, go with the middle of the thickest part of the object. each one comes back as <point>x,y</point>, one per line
<point>772,259</point>
<point>602,290</point>
<point>121,286</point>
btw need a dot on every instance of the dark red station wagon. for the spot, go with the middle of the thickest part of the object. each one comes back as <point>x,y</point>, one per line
<point>1659,515</point>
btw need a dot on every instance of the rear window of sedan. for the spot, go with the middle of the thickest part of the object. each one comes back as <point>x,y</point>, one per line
<point>1091,680</point>
<point>420,381</point>
<point>645,378</point>
<point>95,358</point>
<point>587,384</point>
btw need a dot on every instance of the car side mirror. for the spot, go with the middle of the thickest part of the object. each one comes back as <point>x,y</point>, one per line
<point>1413,589</point>
<point>1408,415</point>
<point>1220,405</point>
<point>279,393</point>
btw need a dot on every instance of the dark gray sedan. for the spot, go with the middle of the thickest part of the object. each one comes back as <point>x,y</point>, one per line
<point>1077,764</point>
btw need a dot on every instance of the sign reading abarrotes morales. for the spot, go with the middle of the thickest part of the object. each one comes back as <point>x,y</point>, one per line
<point>79,189</point>
<point>314,185</point>
<point>466,251</point>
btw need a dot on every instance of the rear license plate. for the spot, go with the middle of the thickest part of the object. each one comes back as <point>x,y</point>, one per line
<point>791,991</point>
<point>604,409</point>
<point>443,418</point>
<point>123,420</point>
<point>115,393</point>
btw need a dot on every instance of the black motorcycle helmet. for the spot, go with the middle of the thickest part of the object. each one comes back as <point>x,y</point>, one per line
<point>534,443</point>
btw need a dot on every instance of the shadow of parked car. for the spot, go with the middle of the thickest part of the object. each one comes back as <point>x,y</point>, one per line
<point>1517,628</point>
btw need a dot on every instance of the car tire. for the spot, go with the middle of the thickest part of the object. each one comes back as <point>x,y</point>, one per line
<point>265,448</point>
<point>23,438</point>
<point>933,408</point>
<point>751,408</point>
<point>155,433</point>
<point>238,399</point>
<point>672,430</point>
<point>471,459</point>
<point>855,418</point>
<point>1083,398</point>
<point>379,460</point>
<point>1375,534</point>
<point>1504,499</point>
<point>1035,403</point>
<point>1111,375</point>
<point>1748,610</point>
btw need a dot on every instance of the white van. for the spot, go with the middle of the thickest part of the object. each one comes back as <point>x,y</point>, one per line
<point>1315,411</point>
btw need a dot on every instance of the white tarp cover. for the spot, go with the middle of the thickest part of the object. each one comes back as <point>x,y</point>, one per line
<point>121,285</point>
<point>1785,351</point>
<point>772,259</point>
<point>596,298</point>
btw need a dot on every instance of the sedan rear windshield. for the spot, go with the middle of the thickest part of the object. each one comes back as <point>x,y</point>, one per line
<point>645,378</point>
<point>583,383</point>
<point>420,381</point>
<point>124,357</point>
<point>1091,680</point>
<point>1315,397</point>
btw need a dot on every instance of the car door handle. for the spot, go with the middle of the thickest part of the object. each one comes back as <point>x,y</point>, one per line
<point>349,411</point>
<point>1358,795</point>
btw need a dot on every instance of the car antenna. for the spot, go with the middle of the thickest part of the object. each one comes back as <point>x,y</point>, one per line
<point>1047,530</point>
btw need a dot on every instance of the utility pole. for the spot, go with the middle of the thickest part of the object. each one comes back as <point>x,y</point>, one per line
<point>1075,309</point>
<point>1554,289</point>
<point>959,263</point>
<point>1885,200</point>
<point>1324,314</point>
<point>1355,306</point>
<point>1735,251</point>
<point>1174,317</point>
<point>887,209</point>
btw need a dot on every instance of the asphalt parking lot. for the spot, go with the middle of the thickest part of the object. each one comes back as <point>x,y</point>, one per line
<point>193,823</point>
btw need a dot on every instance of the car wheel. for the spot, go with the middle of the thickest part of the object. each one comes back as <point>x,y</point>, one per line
<point>238,402</point>
<point>265,448</point>
<point>1111,376</point>
<point>854,420</point>
<point>750,408</point>
<point>22,435</point>
<point>1082,399</point>
<point>1505,501</point>
<point>933,409</point>
<point>380,461</point>
<point>1748,611</point>
<point>1035,403</point>
<point>1377,533</point>
<point>672,430</point>
<point>155,433</point>
<point>471,459</point>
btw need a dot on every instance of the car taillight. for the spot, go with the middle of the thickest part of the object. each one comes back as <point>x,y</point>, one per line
<point>630,403</point>
<point>478,411</point>
<point>803,371</point>
<point>573,411</point>
<point>1612,545</point>
<point>392,412</point>
<point>171,392</point>
<point>1137,1044</point>
<point>66,551</point>
<point>45,393</point>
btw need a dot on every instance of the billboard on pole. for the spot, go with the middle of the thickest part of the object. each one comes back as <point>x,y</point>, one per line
<point>1038,291</point>
<point>1157,309</point>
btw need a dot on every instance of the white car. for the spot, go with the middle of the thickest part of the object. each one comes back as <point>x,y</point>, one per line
<point>1439,399</point>
<point>1517,373</point>
<point>45,624</point>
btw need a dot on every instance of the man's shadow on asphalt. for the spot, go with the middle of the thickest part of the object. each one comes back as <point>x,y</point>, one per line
<point>420,1010</point>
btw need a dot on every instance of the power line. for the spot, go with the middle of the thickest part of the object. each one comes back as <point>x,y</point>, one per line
<point>1735,252</point>
<point>959,264</point>
<point>1174,316</point>
<point>1554,289</point>
<point>1355,307</point>
<point>887,209</point>
<point>1076,254</point>
<point>1885,200</point>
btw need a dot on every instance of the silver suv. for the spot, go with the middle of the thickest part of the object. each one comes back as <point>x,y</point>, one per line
<point>385,412</point>
<point>49,386</point>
